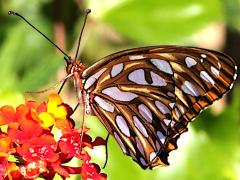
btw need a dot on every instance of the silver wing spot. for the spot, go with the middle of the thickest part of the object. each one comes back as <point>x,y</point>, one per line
<point>161,137</point>
<point>138,77</point>
<point>139,146</point>
<point>103,104</point>
<point>117,69</point>
<point>162,65</point>
<point>120,142</point>
<point>215,71</point>
<point>140,126</point>
<point>205,76</point>
<point>119,95</point>
<point>136,57</point>
<point>157,80</point>
<point>190,89</point>
<point>162,107</point>
<point>122,125</point>
<point>92,79</point>
<point>152,156</point>
<point>145,112</point>
<point>190,62</point>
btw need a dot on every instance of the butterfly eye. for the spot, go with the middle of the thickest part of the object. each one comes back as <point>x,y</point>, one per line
<point>69,68</point>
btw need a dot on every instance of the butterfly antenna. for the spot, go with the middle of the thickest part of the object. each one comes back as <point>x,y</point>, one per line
<point>80,36</point>
<point>19,15</point>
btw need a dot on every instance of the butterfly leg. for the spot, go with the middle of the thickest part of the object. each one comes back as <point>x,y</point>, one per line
<point>60,89</point>
<point>76,107</point>
<point>50,88</point>
<point>106,151</point>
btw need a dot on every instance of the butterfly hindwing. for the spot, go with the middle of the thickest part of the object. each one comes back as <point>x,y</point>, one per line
<point>146,97</point>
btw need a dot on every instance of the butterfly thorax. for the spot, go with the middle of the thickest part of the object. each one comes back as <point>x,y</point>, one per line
<point>75,68</point>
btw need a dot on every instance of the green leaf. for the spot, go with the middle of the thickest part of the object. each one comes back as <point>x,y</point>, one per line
<point>232,8</point>
<point>28,60</point>
<point>159,22</point>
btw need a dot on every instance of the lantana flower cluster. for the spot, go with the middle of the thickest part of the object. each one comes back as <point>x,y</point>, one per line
<point>29,147</point>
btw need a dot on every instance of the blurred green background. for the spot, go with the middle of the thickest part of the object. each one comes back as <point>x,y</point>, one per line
<point>211,148</point>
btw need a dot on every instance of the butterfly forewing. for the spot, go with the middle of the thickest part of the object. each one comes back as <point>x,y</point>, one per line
<point>145,97</point>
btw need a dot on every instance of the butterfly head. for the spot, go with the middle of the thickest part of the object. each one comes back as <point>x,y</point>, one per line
<point>74,66</point>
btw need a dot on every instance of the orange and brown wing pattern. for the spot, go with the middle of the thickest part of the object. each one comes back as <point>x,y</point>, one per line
<point>145,97</point>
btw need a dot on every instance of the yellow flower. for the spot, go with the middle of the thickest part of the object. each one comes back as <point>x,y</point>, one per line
<point>54,107</point>
<point>47,119</point>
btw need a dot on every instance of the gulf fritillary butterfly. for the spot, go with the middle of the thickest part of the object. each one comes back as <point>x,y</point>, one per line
<point>145,97</point>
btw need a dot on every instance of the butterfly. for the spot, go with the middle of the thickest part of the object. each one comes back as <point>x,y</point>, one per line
<point>145,97</point>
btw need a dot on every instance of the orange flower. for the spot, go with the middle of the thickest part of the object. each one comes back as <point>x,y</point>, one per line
<point>30,139</point>
<point>6,146</point>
